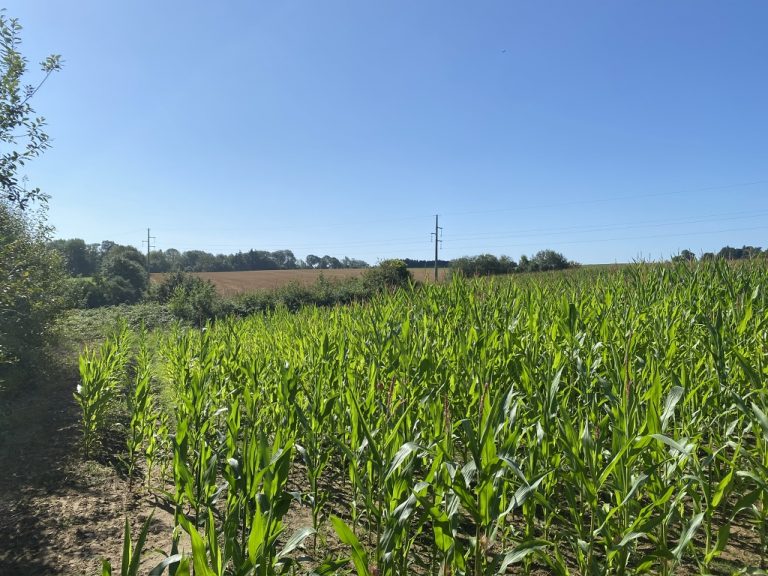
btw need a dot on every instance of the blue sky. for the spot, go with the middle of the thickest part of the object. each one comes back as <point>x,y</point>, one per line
<point>608,131</point>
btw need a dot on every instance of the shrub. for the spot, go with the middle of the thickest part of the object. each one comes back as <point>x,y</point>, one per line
<point>483,265</point>
<point>33,286</point>
<point>387,274</point>
<point>196,304</point>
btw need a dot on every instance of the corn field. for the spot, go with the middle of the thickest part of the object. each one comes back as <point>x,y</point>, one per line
<point>594,422</point>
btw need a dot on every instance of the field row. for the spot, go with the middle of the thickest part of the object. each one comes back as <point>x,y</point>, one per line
<point>599,422</point>
<point>231,283</point>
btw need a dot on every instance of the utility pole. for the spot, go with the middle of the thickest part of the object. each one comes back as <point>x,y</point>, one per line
<point>149,245</point>
<point>437,234</point>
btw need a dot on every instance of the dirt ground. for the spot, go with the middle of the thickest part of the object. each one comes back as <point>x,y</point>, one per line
<point>60,514</point>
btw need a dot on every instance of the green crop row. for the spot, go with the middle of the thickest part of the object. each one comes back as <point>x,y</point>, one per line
<point>596,422</point>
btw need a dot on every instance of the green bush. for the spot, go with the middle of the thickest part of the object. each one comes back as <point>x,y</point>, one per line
<point>388,274</point>
<point>33,286</point>
<point>483,265</point>
<point>164,290</point>
<point>196,304</point>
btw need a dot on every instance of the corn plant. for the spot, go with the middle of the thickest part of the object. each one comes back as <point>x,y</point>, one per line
<point>101,373</point>
<point>141,410</point>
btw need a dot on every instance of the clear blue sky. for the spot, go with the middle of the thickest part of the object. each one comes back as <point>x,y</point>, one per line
<point>605,130</point>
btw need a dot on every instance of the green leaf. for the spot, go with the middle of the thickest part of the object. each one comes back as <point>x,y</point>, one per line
<point>294,541</point>
<point>359,556</point>
<point>199,555</point>
<point>723,534</point>
<point>761,419</point>
<point>687,535</point>
<point>405,450</point>
<point>521,552</point>
<point>133,567</point>
<point>673,444</point>
<point>329,566</point>
<point>160,568</point>
<point>126,561</point>
<point>722,486</point>
<point>674,396</point>
<point>183,569</point>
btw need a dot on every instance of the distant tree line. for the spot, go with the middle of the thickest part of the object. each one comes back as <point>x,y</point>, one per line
<point>86,259</point>
<point>426,263</point>
<point>488,264</point>
<point>725,253</point>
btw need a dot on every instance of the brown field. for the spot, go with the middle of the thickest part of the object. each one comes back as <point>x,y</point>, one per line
<point>230,283</point>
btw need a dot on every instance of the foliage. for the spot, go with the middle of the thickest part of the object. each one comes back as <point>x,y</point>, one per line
<point>489,265</point>
<point>164,290</point>
<point>20,130</point>
<point>123,275</point>
<point>684,256</point>
<point>30,273</point>
<point>81,259</point>
<point>726,253</point>
<point>483,265</point>
<point>101,374</point>
<point>102,275</point>
<point>411,263</point>
<point>32,286</point>
<point>604,421</point>
<point>543,261</point>
<point>89,327</point>
<point>745,252</point>
<point>82,292</point>
<point>388,274</point>
<point>195,300</point>
<point>195,303</point>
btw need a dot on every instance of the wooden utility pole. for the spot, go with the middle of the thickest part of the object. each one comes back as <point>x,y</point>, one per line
<point>437,233</point>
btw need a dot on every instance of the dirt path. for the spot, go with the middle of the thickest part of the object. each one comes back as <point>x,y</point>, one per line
<point>59,514</point>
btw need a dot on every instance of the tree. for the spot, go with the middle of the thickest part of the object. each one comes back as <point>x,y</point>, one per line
<point>330,262</point>
<point>124,275</point>
<point>80,258</point>
<point>684,256</point>
<point>20,129</point>
<point>31,274</point>
<point>313,261</point>
<point>158,261</point>
<point>388,274</point>
<point>549,260</point>
<point>483,265</point>
<point>32,285</point>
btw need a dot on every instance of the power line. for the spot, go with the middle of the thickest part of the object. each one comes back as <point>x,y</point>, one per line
<point>646,237</point>
<point>609,199</point>
<point>744,215</point>
<point>149,244</point>
<point>414,242</point>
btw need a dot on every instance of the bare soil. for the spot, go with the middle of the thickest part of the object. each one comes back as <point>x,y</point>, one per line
<point>61,514</point>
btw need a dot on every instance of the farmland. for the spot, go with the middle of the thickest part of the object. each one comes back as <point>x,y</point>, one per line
<point>599,422</point>
<point>230,283</point>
